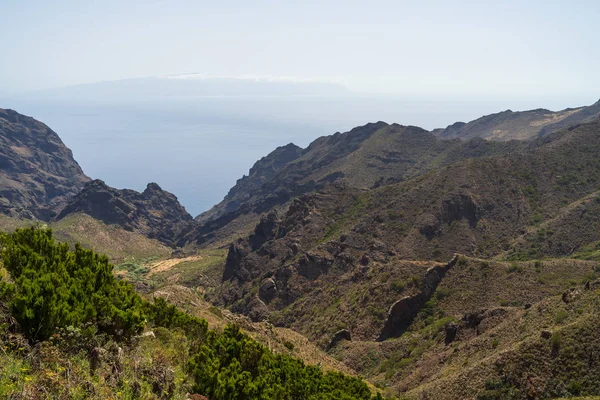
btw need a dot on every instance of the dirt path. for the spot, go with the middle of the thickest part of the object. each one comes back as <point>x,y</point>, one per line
<point>166,265</point>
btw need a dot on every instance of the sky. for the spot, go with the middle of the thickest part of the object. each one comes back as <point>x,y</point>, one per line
<point>426,48</point>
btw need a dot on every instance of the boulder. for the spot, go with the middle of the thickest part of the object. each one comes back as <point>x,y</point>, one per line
<point>592,285</point>
<point>545,334</point>
<point>267,290</point>
<point>570,295</point>
<point>451,330</point>
<point>337,337</point>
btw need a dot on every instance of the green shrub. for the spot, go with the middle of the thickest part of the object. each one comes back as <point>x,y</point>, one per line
<point>289,345</point>
<point>555,341</point>
<point>233,366</point>
<point>560,316</point>
<point>55,287</point>
<point>514,267</point>
<point>398,285</point>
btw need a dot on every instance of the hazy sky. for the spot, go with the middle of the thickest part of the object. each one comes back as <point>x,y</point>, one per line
<point>444,48</point>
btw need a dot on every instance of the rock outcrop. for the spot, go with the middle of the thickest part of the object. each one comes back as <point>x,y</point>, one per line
<point>342,334</point>
<point>38,174</point>
<point>154,212</point>
<point>459,206</point>
<point>403,311</point>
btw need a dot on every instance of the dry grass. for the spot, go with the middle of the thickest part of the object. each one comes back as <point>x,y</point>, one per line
<point>165,265</point>
<point>117,243</point>
<point>9,224</point>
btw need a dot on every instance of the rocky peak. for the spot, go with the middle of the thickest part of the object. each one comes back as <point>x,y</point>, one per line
<point>154,212</point>
<point>285,172</point>
<point>152,187</point>
<point>262,171</point>
<point>38,174</point>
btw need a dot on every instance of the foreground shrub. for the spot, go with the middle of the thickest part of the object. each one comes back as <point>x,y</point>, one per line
<point>54,287</point>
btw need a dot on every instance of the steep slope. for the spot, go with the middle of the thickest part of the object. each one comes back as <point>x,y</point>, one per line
<point>262,171</point>
<point>114,241</point>
<point>493,331</point>
<point>521,125</point>
<point>365,157</point>
<point>336,238</point>
<point>154,212</point>
<point>38,174</point>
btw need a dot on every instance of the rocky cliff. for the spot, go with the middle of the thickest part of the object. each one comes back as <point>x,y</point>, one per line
<point>154,212</point>
<point>38,174</point>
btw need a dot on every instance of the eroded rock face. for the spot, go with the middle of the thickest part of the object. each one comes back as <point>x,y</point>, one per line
<point>460,206</point>
<point>451,330</point>
<point>268,228</point>
<point>429,226</point>
<point>337,337</point>
<point>312,265</point>
<point>268,290</point>
<point>154,212</point>
<point>38,174</point>
<point>403,311</point>
<point>400,316</point>
<point>483,320</point>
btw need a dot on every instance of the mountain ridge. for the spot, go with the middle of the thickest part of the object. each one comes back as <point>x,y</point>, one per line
<point>154,212</point>
<point>520,125</point>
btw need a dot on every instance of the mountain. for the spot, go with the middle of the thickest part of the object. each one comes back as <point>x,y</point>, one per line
<point>260,173</point>
<point>39,179</point>
<point>37,171</point>
<point>155,213</point>
<point>366,157</point>
<point>522,125</point>
<point>366,267</point>
<point>430,217</point>
<point>189,85</point>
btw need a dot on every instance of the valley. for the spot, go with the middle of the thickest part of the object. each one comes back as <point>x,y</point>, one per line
<point>461,262</point>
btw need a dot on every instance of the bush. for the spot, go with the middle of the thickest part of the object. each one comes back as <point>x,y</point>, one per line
<point>398,285</point>
<point>514,268</point>
<point>289,345</point>
<point>560,316</point>
<point>233,366</point>
<point>55,288</point>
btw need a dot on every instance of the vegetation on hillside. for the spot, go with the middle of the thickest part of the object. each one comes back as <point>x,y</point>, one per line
<point>70,329</point>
